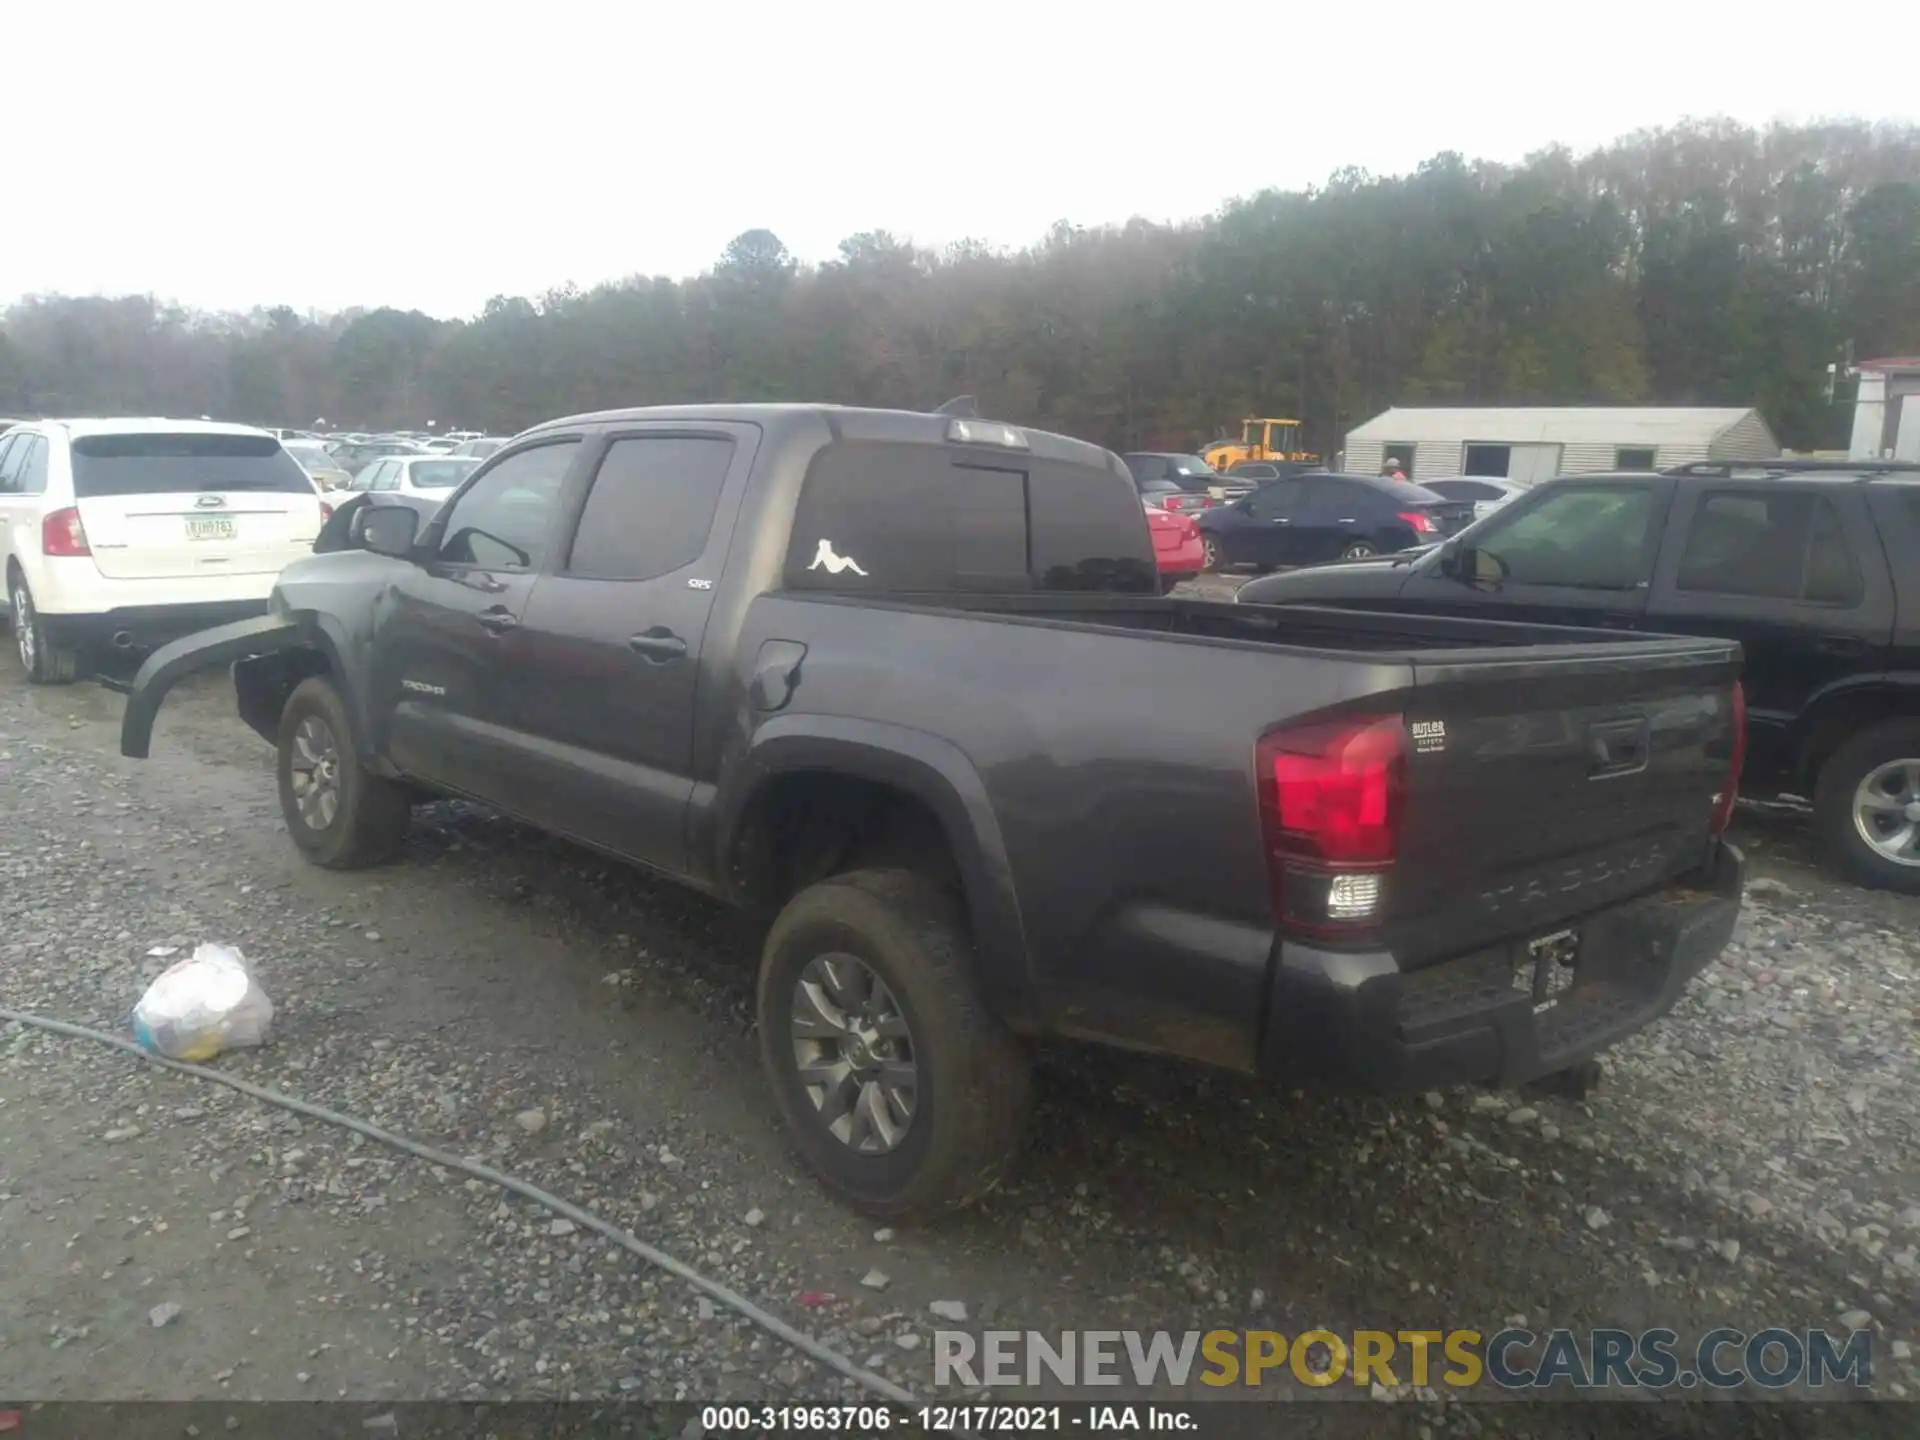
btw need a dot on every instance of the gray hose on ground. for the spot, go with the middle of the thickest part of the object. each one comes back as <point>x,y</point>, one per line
<point>733,1300</point>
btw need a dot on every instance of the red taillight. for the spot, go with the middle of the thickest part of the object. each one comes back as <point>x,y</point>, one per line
<point>61,533</point>
<point>1420,523</point>
<point>1723,812</point>
<point>1331,798</point>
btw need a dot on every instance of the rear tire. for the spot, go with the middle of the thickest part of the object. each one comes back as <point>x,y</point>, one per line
<point>1213,561</point>
<point>1359,550</point>
<point>1864,789</point>
<point>44,662</point>
<point>881,958</point>
<point>340,816</point>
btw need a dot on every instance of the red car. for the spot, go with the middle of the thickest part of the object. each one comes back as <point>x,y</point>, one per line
<point>1176,546</point>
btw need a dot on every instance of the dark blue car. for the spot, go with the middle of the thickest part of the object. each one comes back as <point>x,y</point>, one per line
<point>1309,519</point>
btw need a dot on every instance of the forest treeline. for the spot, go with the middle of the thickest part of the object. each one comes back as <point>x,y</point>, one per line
<point>1707,263</point>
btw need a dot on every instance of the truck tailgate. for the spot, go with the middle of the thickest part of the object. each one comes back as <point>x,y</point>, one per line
<point>1541,786</point>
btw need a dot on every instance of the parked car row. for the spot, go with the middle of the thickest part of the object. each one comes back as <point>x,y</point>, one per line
<point>1268,514</point>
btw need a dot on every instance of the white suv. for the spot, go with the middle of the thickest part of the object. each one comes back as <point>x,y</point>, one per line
<point>125,534</point>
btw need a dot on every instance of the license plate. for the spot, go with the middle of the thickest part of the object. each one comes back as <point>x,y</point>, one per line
<point>1546,968</point>
<point>209,527</point>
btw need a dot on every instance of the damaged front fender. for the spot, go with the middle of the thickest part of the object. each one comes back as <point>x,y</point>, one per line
<point>222,645</point>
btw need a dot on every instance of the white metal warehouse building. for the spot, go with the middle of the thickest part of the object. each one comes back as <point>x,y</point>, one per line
<point>1526,445</point>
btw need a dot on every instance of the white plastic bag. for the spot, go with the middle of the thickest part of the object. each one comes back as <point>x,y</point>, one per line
<point>202,1005</point>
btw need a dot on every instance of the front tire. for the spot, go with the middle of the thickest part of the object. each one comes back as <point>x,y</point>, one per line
<point>44,662</point>
<point>340,816</point>
<point>1213,559</point>
<point>905,1094</point>
<point>1866,806</point>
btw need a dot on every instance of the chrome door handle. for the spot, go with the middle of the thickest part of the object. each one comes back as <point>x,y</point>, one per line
<point>497,620</point>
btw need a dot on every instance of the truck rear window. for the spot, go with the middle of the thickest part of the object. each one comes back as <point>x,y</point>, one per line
<point>881,516</point>
<point>173,464</point>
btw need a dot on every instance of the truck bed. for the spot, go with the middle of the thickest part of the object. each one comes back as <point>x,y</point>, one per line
<point>1310,629</point>
<point>1551,773</point>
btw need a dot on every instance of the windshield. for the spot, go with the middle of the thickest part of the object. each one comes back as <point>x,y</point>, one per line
<point>177,463</point>
<point>440,474</point>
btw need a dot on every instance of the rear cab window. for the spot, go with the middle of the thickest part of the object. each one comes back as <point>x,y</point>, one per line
<point>183,463</point>
<point>893,516</point>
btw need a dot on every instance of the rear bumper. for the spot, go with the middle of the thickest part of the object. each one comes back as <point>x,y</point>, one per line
<point>146,627</point>
<point>1355,1019</point>
<point>73,586</point>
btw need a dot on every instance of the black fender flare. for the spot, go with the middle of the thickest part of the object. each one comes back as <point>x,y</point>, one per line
<point>933,771</point>
<point>223,645</point>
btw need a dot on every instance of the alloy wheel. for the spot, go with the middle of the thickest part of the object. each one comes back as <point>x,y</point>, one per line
<point>1886,811</point>
<point>23,627</point>
<point>315,768</point>
<point>855,1054</point>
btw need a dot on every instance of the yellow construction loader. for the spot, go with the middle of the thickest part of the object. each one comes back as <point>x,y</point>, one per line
<point>1259,440</point>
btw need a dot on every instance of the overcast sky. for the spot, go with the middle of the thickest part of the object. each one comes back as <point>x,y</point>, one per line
<point>327,153</point>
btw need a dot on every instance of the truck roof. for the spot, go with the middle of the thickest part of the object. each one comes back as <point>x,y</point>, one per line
<point>847,422</point>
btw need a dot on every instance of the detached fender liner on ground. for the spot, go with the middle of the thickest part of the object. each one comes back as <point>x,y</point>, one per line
<point>170,664</point>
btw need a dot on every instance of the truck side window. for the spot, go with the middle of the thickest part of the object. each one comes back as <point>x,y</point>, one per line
<point>651,506</point>
<point>502,520</point>
<point>1577,537</point>
<point>1783,545</point>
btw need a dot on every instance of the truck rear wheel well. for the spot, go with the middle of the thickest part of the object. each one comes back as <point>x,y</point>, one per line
<point>804,827</point>
<point>261,685</point>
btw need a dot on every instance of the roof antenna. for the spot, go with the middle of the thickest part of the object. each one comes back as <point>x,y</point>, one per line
<point>961,407</point>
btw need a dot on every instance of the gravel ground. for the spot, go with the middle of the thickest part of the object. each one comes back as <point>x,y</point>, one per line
<point>1751,1161</point>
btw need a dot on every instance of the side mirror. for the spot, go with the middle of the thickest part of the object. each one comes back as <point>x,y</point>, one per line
<point>387,530</point>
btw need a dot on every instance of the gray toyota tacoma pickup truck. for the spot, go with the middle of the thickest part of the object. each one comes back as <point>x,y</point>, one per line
<point>904,683</point>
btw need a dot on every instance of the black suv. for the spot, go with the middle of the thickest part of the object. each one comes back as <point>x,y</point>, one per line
<point>1813,566</point>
